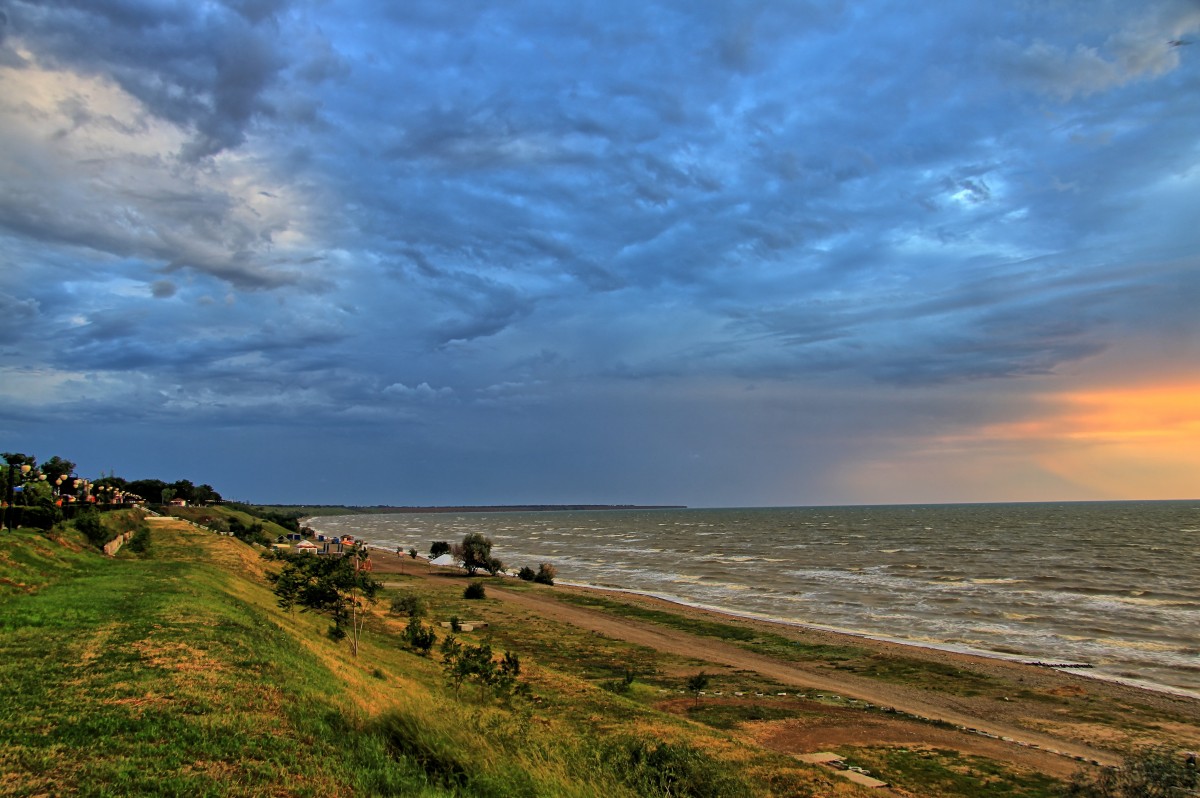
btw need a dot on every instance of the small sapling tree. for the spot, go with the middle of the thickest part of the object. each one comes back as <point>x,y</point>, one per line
<point>697,684</point>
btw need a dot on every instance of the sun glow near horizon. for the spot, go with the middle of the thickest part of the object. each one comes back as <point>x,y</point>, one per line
<point>1135,441</point>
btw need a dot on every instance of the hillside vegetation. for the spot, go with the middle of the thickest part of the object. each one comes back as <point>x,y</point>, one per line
<point>173,672</point>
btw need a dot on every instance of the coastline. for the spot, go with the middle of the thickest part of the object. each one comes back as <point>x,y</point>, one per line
<point>835,636</point>
<point>1068,666</point>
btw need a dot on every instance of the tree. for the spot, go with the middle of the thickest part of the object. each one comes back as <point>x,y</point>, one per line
<point>56,467</point>
<point>697,684</point>
<point>340,587</point>
<point>184,489</point>
<point>476,552</point>
<point>205,494</point>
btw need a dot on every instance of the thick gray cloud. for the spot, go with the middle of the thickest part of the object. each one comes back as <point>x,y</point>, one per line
<point>455,223</point>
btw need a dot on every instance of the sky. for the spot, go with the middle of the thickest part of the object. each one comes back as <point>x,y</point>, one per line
<point>703,253</point>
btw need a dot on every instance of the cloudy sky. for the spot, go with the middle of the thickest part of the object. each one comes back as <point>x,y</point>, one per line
<point>709,253</point>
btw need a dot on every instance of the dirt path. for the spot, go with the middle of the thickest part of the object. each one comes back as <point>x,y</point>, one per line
<point>1003,730</point>
<point>911,701</point>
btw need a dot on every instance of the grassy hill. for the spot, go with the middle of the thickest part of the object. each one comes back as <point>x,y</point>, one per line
<point>172,672</point>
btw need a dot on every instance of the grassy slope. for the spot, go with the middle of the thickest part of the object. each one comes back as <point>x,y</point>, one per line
<point>175,674</point>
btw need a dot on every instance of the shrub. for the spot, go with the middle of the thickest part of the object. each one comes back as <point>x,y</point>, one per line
<point>412,553</point>
<point>527,573</point>
<point>410,605</point>
<point>1156,771</point>
<point>623,685</point>
<point>474,591</point>
<point>439,548</point>
<point>38,517</point>
<point>140,542</point>
<point>669,769</point>
<point>419,636</point>
<point>92,528</point>
<point>545,574</point>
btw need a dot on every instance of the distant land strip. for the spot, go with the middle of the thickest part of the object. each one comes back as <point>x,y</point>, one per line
<point>327,509</point>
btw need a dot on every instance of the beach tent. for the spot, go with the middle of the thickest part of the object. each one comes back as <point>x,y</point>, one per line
<point>445,559</point>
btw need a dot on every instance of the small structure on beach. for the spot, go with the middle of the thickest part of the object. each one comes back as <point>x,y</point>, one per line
<point>306,547</point>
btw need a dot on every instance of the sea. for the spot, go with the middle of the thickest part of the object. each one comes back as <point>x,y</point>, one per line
<point>1111,585</point>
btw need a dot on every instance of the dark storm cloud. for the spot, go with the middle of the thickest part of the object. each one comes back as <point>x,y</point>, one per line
<point>425,214</point>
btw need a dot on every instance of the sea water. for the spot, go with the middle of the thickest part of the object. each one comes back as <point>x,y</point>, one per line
<point>1115,585</point>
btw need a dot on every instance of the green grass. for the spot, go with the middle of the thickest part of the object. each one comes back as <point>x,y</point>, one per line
<point>175,674</point>
<point>732,716</point>
<point>949,773</point>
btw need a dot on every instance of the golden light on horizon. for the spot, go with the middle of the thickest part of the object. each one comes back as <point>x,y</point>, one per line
<point>1137,441</point>
<point>1134,441</point>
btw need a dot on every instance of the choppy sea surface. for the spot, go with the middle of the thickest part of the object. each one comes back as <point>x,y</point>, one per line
<point>1112,584</point>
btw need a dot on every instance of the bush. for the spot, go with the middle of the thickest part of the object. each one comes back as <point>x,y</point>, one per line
<point>38,517</point>
<point>674,769</point>
<point>527,573</point>
<point>410,605</point>
<point>545,574</point>
<point>412,553</point>
<point>439,548</point>
<point>419,636</point>
<point>474,591</point>
<point>92,528</point>
<point>140,542</point>
<point>1159,771</point>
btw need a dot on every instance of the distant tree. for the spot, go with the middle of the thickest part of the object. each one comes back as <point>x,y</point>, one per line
<point>339,587</point>
<point>205,494</point>
<point>439,548</point>
<point>526,573</point>
<point>494,566</point>
<point>149,489</point>
<point>1155,772</point>
<point>56,467</point>
<point>412,553</point>
<point>18,459</point>
<point>476,552</point>
<point>184,489</point>
<point>697,684</point>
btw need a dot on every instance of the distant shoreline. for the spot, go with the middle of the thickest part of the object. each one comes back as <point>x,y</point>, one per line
<point>481,508</point>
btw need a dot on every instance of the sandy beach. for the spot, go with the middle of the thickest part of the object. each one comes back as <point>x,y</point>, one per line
<point>1043,725</point>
